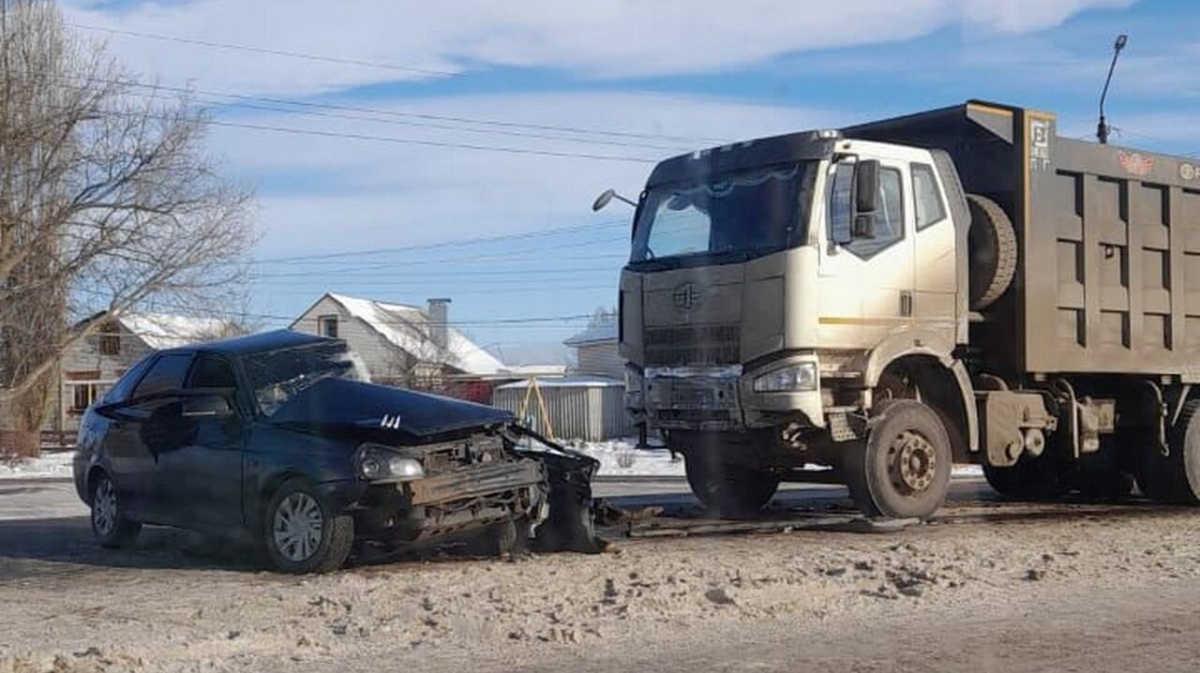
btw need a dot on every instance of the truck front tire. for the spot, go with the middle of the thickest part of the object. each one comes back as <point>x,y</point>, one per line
<point>903,468</point>
<point>729,490</point>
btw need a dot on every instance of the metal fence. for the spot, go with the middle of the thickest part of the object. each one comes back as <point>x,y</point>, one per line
<point>591,409</point>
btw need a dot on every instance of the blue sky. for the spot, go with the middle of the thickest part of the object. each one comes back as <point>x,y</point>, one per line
<point>657,77</point>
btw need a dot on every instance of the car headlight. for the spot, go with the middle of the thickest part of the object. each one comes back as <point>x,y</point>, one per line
<point>790,379</point>
<point>380,463</point>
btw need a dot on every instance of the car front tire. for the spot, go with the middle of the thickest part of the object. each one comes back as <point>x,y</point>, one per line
<point>302,534</point>
<point>110,526</point>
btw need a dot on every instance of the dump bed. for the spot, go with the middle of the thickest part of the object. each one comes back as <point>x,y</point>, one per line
<point>1108,275</point>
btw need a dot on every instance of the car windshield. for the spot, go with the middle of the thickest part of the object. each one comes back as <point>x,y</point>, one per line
<point>760,210</point>
<point>277,376</point>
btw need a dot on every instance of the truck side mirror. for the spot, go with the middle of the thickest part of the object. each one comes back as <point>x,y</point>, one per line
<point>864,226</point>
<point>866,188</point>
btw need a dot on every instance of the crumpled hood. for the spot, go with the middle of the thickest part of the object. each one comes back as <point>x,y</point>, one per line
<point>342,404</point>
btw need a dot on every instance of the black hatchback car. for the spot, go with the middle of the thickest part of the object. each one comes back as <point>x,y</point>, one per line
<point>272,439</point>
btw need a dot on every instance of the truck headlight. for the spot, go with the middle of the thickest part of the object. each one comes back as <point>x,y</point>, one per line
<point>790,379</point>
<point>380,463</point>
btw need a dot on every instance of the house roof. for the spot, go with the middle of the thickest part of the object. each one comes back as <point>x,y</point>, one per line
<point>161,331</point>
<point>604,329</point>
<point>581,381</point>
<point>408,328</point>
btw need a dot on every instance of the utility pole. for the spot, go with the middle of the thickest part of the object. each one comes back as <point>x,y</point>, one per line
<point>1103,130</point>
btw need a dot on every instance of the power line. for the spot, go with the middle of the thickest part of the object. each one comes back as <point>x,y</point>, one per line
<point>304,110</point>
<point>271,52</point>
<point>421,115</point>
<point>391,139</point>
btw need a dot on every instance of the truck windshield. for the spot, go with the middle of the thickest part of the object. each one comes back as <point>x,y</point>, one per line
<point>758,211</point>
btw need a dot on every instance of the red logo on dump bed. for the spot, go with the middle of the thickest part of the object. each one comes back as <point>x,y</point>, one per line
<point>1136,163</point>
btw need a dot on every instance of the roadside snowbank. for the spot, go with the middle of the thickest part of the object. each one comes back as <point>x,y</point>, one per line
<point>55,465</point>
<point>622,458</point>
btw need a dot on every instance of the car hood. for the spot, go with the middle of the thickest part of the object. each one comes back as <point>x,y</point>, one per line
<point>342,405</point>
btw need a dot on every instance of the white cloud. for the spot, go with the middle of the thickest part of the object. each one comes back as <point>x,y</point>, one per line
<point>598,39</point>
<point>382,194</point>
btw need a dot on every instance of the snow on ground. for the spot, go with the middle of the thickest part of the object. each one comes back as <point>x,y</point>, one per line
<point>621,457</point>
<point>55,465</point>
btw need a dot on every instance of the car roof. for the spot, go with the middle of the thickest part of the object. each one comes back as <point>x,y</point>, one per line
<point>262,342</point>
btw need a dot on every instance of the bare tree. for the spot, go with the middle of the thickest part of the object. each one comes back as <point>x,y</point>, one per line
<point>107,202</point>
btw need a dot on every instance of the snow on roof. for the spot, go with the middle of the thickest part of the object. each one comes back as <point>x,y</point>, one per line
<point>164,330</point>
<point>604,329</point>
<point>568,382</point>
<point>535,370</point>
<point>407,327</point>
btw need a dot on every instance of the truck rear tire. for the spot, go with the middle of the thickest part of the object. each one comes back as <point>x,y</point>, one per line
<point>1175,478</point>
<point>903,468</point>
<point>1030,479</point>
<point>992,246</point>
<point>729,490</point>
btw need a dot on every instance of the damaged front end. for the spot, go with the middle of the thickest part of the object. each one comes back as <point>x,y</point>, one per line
<point>431,468</point>
<point>489,478</point>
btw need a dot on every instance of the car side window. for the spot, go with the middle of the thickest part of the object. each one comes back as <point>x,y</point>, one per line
<point>889,218</point>
<point>166,373</point>
<point>927,195</point>
<point>211,371</point>
<point>124,386</point>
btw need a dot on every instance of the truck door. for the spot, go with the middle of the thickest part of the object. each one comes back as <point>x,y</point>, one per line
<point>935,271</point>
<point>866,285</point>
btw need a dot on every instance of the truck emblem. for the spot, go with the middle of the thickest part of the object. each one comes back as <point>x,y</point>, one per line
<point>1136,163</point>
<point>390,422</point>
<point>1188,172</point>
<point>686,296</point>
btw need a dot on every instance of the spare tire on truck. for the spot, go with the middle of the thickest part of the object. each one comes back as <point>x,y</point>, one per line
<point>992,250</point>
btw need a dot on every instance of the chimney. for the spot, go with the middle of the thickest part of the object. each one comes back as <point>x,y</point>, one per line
<point>439,322</point>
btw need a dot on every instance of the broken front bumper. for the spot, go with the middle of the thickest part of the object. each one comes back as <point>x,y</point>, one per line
<point>723,399</point>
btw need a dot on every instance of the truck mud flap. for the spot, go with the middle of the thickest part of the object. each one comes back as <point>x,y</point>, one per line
<point>570,524</point>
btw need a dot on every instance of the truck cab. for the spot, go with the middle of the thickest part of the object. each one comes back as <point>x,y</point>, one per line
<point>766,281</point>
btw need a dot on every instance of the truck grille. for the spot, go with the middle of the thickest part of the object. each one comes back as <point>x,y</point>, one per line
<point>693,345</point>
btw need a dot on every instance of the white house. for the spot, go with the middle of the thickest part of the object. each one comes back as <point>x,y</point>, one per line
<point>596,348</point>
<point>90,366</point>
<point>400,345</point>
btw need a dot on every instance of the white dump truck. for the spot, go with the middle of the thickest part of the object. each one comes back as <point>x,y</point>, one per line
<point>956,286</point>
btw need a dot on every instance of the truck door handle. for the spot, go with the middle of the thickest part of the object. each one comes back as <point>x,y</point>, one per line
<point>906,303</point>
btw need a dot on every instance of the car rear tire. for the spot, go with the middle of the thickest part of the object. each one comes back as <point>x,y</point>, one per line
<point>726,489</point>
<point>302,534</point>
<point>903,468</point>
<point>110,526</point>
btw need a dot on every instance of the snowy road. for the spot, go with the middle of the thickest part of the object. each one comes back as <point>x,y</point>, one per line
<point>992,587</point>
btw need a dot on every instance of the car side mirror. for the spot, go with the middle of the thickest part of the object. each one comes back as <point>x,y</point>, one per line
<point>866,188</point>
<point>206,406</point>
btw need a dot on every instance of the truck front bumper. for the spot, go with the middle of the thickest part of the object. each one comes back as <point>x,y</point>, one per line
<point>724,399</point>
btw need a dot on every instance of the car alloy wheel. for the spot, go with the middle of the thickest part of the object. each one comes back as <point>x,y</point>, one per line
<point>298,526</point>
<point>104,508</point>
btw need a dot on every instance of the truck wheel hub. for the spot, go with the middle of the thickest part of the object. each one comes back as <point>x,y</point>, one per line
<point>912,462</point>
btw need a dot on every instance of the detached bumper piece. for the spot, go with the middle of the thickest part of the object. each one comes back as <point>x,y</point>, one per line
<point>570,523</point>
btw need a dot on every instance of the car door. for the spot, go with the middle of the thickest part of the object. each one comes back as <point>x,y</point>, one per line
<point>201,477</point>
<point>134,441</point>
<point>866,285</point>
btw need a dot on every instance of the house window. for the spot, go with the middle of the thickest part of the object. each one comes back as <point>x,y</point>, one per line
<point>83,394</point>
<point>110,340</point>
<point>327,326</point>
